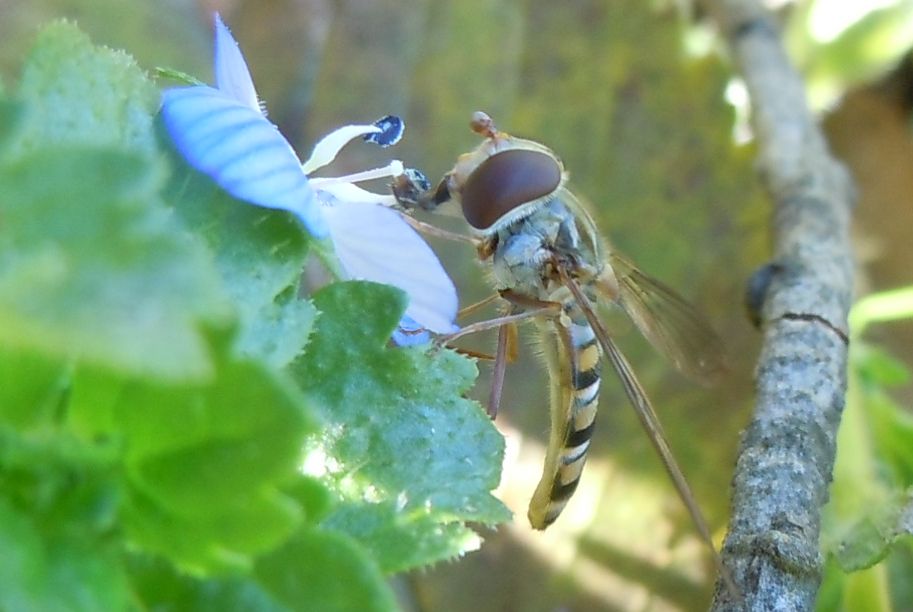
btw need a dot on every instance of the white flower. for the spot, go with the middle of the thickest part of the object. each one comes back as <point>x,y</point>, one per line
<point>223,132</point>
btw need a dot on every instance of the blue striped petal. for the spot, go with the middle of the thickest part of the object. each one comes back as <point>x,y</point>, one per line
<point>241,151</point>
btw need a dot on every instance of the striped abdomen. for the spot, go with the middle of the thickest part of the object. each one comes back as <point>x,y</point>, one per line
<point>574,371</point>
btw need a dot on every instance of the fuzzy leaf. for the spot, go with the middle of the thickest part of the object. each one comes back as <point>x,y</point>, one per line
<point>32,389</point>
<point>316,570</point>
<point>401,538</point>
<point>878,368</point>
<point>78,93</point>
<point>415,459</point>
<point>321,570</point>
<point>57,512</point>
<point>205,464</point>
<point>10,121</point>
<point>92,266</point>
<point>892,427</point>
<point>869,540</point>
<point>40,571</point>
<point>259,255</point>
<point>91,263</point>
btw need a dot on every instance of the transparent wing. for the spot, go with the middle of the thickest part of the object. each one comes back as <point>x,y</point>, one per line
<point>240,150</point>
<point>649,419</point>
<point>669,323</point>
<point>374,243</point>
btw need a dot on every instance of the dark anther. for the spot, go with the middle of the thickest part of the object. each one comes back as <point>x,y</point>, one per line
<point>408,188</point>
<point>391,130</point>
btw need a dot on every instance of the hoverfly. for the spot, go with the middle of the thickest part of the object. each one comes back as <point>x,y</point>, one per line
<point>550,264</point>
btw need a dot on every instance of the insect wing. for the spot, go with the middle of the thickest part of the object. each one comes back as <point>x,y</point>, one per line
<point>374,243</point>
<point>649,419</point>
<point>669,323</point>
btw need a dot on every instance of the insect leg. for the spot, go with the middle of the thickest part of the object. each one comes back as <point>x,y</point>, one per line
<point>433,230</point>
<point>544,309</point>
<point>499,370</point>
<point>468,310</point>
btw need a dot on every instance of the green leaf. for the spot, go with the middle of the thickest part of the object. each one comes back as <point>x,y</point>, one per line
<point>878,368</point>
<point>222,540</point>
<point>205,463</point>
<point>892,429</point>
<point>259,254</point>
<point>92,266</point>
<point>65,484</point>
<point>32,389</point>
<point>400,538</point>
<point>276,331</point>
<point>880,307</point>
<point>181,443</point>
<point>77,93</point>
<point>409,454</point>
<point>869,540</point>
<point>182,78</point>
<point>320,570</point>
<point>861,52</point>
<point>159,587</point>
<point>55,571</point>
<point>10,122</point>
<point>315,570</point>
<point>313,497</point>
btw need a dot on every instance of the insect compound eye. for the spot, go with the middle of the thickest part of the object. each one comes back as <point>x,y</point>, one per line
<point>505,181</point>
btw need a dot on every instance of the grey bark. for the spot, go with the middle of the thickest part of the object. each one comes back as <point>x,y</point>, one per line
<point>787,453</point>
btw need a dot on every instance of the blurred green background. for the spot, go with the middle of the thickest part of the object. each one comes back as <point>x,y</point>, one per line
<point>638,100</point>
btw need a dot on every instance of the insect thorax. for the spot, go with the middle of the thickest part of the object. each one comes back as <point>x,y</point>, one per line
<point>525,251</point>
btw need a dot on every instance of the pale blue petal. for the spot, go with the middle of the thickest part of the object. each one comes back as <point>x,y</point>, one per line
<point>374,243</point>
<point>241,151</point>
<point>410,333</point>
<point>232,75</point>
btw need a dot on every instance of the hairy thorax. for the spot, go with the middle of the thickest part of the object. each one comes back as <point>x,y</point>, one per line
<point>524,253</point>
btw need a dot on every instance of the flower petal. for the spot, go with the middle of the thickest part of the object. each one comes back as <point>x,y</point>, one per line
<point>347,192</point>
<point>410,333</point>
<point>241,151</point>
<point>232,75</point>
<point>374,243</point>
<point>391,170</point>
<point>328,147</point>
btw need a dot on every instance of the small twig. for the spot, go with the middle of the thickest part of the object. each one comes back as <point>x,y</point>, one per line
<point>787,453</point>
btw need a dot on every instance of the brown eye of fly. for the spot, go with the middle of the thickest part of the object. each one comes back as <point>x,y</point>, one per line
<point>505,181</point>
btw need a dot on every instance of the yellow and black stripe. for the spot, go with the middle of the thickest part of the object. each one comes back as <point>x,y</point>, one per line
<point>574,361</point>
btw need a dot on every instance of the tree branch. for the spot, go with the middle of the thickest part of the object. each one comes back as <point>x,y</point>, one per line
<point>787,453</point>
